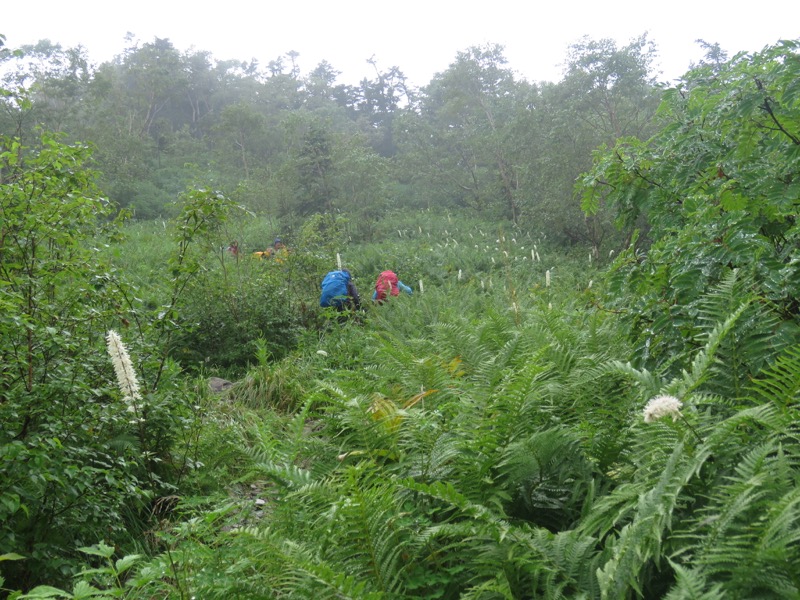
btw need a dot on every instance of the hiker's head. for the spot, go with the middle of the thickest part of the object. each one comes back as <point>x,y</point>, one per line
<point>277,243</point>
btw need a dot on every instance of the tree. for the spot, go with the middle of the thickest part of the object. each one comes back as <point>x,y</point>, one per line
<point>718,185</point>
<point>51,82</point>
<point>242,126</point>
<point>361,179</point>
<point>378,102</point>
<point>460,138</point>
<point>312,173</point>
<point>613,90</point>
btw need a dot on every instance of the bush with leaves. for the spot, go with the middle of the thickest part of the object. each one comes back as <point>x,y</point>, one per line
<point>221,323</point>
<point>70,469</point>
<point>719,187</point>
<point>80,463</point>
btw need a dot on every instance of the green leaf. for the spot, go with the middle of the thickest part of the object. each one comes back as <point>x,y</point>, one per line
<point>11,556</point>
<point>83,589</point>
<point>730,200</point>
<point>46,591</point>
<point>126,562</point>
<point>98,550</point>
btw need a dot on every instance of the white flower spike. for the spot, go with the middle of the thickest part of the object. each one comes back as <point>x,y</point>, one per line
<point>662,406</point>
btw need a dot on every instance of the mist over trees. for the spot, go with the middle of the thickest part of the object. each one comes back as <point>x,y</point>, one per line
<point>474,138</point>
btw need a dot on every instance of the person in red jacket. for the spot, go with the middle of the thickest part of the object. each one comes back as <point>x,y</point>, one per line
<point>389,285</point>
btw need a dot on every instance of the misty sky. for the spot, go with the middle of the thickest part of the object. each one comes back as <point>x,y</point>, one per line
<point>420,37</point>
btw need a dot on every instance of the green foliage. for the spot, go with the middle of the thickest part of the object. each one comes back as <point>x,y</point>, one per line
<point>717,187</point>
<point>547,477</point>
<point>292,145</point>
<point>69,465</point>
<point>481,438</point>
<point>80,463</point>
<point>221,321</point>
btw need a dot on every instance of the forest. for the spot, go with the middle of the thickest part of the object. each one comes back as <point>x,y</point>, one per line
<point>590,392</point>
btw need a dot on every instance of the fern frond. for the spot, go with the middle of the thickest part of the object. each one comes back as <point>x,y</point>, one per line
<point>746,537</point>
<point>435,462</point>
<point>639,542</point>
<point>690,584</point>
<point>547,476</point>
<point>780,383</point>
<point>703,360</point>
<point>648,382</point>
<point>366,535</point>
<point>296,572</point>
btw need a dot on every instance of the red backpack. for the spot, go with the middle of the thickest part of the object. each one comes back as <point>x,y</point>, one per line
<point>386,285</point>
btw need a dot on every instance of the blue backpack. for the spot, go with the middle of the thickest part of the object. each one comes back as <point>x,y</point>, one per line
<point>334,289</point>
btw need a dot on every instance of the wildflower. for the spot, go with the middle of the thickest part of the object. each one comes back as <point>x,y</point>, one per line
<point>459,274</point>
<point>126,376</point>
<point>547,278</point>
<point>662,406</point>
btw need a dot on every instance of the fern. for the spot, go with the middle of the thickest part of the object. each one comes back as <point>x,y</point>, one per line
<point>704,359</point>
<point>294,571</point>
<point>780,383</point>
<point>639,542</point>
<point>692,585</point>
<point>547,477</point>
<point>746,538</point>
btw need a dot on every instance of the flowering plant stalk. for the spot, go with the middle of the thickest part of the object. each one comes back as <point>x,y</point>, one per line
<point>123,368</point>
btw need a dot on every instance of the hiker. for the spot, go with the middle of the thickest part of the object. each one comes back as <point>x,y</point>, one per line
<point>277,250</point>
<point>234,248</point>
<point>389,285</point>
<point>339,291</point>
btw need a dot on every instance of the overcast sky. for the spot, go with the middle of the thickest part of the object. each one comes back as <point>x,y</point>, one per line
<point>421,37</point>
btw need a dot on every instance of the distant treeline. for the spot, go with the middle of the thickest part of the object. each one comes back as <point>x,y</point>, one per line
<point>476,137</point>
